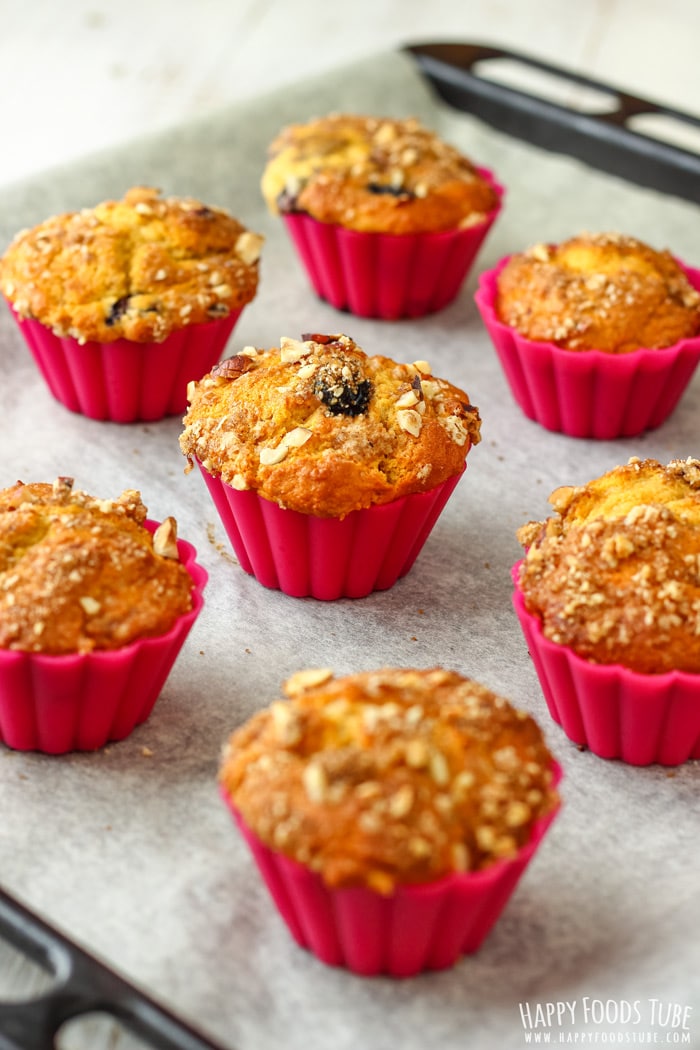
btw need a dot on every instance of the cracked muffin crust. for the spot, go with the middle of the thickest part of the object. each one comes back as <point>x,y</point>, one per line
<point>389,776</point>
<point>375,175</point>
<point>616,574</point>
<point>319,427</point>
<point>78,573</point>
<point>139,268</point>
<point>600,291</point>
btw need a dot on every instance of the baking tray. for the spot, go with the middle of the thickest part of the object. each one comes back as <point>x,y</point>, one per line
<point>82,983</point>
<point>604,140</point>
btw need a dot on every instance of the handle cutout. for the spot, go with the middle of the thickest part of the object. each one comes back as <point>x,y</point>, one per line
<point>22,979</point>
<point>540,83</point>
<point>667,128</point>
<point>97,1029</point>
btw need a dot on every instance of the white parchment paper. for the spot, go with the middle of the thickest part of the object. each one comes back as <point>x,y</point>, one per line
<point>129,849</point>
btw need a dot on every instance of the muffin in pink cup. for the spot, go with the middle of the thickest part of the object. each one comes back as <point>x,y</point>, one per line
<point>97,602</point>
<point>386,218</point>
<point>329,468</point>
<point>391,813</point>
<point>598,337</point>
<point>608,598</point>
<point>121,304</point>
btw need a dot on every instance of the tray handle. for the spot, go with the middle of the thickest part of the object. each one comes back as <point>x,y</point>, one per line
<point>602,140</point>
<point>82,985</point>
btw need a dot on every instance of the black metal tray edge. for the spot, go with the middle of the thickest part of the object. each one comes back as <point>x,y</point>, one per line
<point>82,985</point>
<point>602,140</point>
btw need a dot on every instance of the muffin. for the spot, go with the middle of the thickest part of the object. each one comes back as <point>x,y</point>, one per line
<point>386,217</point>
<point>328,467</point>
<point>96,602</point>
<point>608,595</point>
<point>121,304</point>
<point>391,812</point>
<point>598,336</point>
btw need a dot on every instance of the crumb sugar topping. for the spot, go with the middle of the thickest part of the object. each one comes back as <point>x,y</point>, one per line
<point>79,573</point>
<point>616,574</point>
<point>601,291</point>
<point>320,427</point>
<point>138,268</point>
<point>390,776</point>
<point>372,174</point>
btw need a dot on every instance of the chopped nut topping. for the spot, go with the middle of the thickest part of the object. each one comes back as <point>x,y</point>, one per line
<point>401,802</point>
<point>518,813</point>
<point>431,388</point>
<point>292,350</point>
<point>63,486</point>
<point>486,837</point>
<point>286,723</point>
<point>419,847</point>
<point>417,754</point>
<point>315,782</point>
<point>462,782</point>
<point>270,456</point>
<point>439,769</point>
<point>307,679</point>
<point>540,252</point>
<point>90,605</point>
<point>410,421</point>
<point>249,246</point>
<point>297,437</point>
<point>165,539</point>
<point>456,429</point>
<point>408,399</point>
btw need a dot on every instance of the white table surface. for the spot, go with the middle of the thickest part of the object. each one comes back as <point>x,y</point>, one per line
<point>76,78</point>
<point>80,75</point>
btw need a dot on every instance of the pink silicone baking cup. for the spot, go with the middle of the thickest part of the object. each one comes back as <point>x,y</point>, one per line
<point>589,394</point>
<point>80,702</point>
<point>124,381</point>
<point>327,558</point>
<point>388,276</point>
<point>615,712</point>
<point>417,928</point>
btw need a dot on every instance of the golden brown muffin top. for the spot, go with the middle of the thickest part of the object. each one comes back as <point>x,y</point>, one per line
<point>616,575</point>
<point>79,573</point>
<point>600,291</point>
<point>374,174</point>
<point>389,776</point>
<point>319,427</point>
<point>139,268</point>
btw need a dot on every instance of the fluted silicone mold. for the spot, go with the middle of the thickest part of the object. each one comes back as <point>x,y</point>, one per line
<point>80,702</point>
<point>417,928</point>
<point>124,381</point>
<point>589,394</point>
<point>615,712</point>
<point>327,558</point>
<point>388,276</point>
